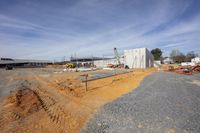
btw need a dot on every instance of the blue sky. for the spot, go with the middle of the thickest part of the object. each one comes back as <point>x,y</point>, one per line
<point>51,29</point>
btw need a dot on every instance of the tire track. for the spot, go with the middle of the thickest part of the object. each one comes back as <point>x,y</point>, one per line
<point>54,111</point>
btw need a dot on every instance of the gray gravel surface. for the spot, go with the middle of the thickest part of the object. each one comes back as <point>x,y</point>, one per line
<point>9,79</point>
<point>164,102</point>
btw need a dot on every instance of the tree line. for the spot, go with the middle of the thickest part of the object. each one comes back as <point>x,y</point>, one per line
<point>176,55</point>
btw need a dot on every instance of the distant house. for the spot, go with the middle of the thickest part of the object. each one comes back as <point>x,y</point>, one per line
<point>168,60</point>
<point>196,60</point>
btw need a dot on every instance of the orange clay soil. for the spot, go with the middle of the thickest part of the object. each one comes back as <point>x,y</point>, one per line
<point>59,103</point>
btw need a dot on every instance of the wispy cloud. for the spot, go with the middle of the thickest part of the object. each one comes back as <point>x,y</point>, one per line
<point>48,29</point>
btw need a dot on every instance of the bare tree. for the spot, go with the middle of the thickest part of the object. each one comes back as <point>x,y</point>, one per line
<point>177,56</point>
<point>190,55</point>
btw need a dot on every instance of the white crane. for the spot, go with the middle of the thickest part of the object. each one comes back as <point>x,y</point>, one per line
<point>117,57</point>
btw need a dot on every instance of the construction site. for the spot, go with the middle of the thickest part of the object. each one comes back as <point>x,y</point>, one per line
<point>99,66</point>
<point>87,95</point>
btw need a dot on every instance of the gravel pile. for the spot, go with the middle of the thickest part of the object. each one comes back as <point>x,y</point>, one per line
<point>164,102</point>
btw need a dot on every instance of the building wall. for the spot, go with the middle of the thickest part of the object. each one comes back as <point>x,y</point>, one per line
<point>149,59</point>
<point>138,58</point>
<point>104,63</point>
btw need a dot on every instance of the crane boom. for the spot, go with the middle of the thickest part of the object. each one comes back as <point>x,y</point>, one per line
<point>117,56</point>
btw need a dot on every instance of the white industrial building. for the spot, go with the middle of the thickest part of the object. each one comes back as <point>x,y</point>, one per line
<point>133,58</point>
<point>138,58</point>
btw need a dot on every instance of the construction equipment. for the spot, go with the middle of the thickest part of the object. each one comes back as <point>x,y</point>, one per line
<point>9,67</point>
<point>69,65</point>
<point>187,70</point>
<point>196,68</point>
<point>117,57</point>
<point>110,66</point>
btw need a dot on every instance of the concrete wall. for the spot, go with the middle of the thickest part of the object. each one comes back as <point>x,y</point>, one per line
<point>104,63</point>
<point>149,59</point>
<point>138,58</point>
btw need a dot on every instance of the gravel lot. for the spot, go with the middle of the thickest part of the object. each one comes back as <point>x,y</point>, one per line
<point>9,79</point>
<point>164,102</point>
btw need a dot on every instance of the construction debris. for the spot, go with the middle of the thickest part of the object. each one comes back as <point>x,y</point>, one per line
<point>187,70</point>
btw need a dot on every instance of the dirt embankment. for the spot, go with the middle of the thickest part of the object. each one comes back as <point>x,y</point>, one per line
<point>59,103</point>
<point>24,102</point>
<point>20,104</point>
